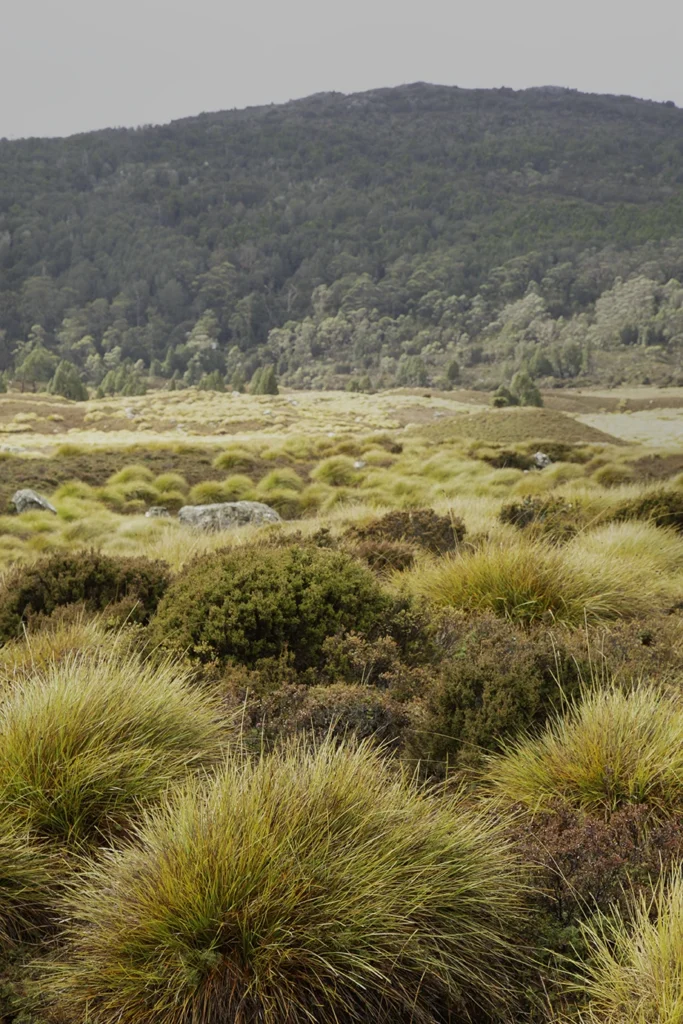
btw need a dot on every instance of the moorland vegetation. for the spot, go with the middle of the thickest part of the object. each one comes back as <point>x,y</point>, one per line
<point>412,753</point>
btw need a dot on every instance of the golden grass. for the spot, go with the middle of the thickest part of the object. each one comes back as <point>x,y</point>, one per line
<point>634,974</point>
<point>528,581</point>
<point>90,739</point>
<point>304,880</point>
<point>612,748</point>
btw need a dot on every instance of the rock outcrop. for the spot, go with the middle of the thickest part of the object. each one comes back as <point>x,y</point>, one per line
<point>27,500</point>
<point>227,515</point>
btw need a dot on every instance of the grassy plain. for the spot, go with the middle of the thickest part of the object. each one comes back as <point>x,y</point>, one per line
<point>505,842</point>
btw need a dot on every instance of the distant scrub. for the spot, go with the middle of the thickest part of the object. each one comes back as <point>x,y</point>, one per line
<point>130,587</point>
<point>88,742</point>
<point>421,527</point>
<point>236,460</point>
<point>301,882</point>
<point>258,603</point>
<point>664,508</point>
<point>551,516</point>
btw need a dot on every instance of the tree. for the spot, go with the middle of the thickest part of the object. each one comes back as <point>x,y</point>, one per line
<point>503,397</point>
<point>238,380</point>
<point>37,368</point>
<point>453,371</point>
<point>67,382</point>
<point>212,381</point>
<point>524,389</point>
<point>264,381</point>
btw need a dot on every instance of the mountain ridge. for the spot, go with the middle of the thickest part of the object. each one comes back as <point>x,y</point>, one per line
<point>394,213</point>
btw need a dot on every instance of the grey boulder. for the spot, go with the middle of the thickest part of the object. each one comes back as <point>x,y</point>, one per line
<point>157,512</point>
<point>226,515</point>
<point>541,460</point>
<point>27,500</point>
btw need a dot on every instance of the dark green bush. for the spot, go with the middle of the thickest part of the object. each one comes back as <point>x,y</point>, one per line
<point>247,605</point>
<point>420,526</point>
<point>663,508</point>
<point>498,681</point>
<point>132,587</point>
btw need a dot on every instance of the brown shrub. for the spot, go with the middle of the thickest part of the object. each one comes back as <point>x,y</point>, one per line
<point>421,527</point>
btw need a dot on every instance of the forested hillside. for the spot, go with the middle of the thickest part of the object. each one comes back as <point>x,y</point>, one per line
<point>417,235</point>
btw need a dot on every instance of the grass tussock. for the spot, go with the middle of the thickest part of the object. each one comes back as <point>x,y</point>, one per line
<point>635,972</point>
<point>611,749</point>
<point>27,876</point>
<point>527,581</point>
<point>305,885</point>
<point>88,741</point>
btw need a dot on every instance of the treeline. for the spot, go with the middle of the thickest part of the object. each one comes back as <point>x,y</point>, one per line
<point>419,235</point>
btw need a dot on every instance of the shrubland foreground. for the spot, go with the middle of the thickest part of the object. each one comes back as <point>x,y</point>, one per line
<point>411,754</point>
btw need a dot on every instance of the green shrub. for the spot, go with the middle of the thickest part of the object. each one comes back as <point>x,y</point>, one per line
<point>89,741</point>
<point>664,508</point>
<point>339,709</point>
<point>256,603</point>
<point>132,587</point>
<point>304,886</point>
<point>497,682</point>
<point>420,526</point>
<point>611,749</point>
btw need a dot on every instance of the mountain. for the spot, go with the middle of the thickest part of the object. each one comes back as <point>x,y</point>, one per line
<point>414,235</point>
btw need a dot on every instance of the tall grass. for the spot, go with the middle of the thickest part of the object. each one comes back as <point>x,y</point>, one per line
<point>526,581</point>
<point>635,972</point>
<point>27,875</point>
<point>306,886</point>
<point>610,749</point>
<point>87,741</point>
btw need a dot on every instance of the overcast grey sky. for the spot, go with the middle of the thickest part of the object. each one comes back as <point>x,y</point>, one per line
<point>74,65</point>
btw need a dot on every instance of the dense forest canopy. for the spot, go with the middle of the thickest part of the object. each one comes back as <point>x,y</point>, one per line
<point>416,235</point>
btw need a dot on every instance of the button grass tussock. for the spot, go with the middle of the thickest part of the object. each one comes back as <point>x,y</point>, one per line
<point>308,885</point>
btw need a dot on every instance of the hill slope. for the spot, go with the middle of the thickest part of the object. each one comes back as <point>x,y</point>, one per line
<point>388,235</point>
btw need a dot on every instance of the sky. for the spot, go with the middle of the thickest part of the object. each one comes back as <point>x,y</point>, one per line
<point>69,66</point>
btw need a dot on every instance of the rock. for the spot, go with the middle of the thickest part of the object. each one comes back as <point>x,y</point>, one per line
<point>157,512</point>
<point>228,514</point>
<point>27,500</point>
<point>359,464</point>
<point>541,460</point>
